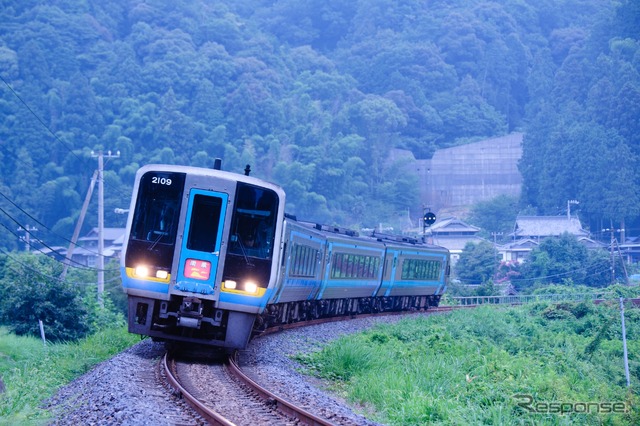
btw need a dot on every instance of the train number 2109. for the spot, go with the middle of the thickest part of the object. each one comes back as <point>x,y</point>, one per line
<point>160,180</point>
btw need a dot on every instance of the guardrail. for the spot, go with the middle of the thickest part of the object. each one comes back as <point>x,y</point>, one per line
<point>526,298</point>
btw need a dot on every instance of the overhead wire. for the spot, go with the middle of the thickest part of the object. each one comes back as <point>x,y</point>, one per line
<point>51,277</point>
<point>56,278</point>
<point>57,138</point>
<point>41,121</point>
<point>42,224</point>
<point>52,250</point>
<point>38,118</point>
<point>80,265</point>
<point>562,274</point>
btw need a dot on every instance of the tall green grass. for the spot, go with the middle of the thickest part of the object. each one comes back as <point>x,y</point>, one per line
<point>468,367</point>
<point>33,372</point>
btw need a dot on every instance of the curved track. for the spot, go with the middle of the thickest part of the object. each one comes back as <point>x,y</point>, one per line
<point>279,404</point>
<point>229,397</point>
<point>233,398</point>
<point>224,395</point>
<point>212,417</point>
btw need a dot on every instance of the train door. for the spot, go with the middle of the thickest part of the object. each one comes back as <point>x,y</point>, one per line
<point>389,272</point>
<point>200,252</point>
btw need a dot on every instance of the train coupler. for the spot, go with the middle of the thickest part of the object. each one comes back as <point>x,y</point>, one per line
<point>190,314</point>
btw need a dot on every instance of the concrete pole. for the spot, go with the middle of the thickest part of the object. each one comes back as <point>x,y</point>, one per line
<point>624,343</point>
<point>100,230</point>
<point>101,224</point>
<point>76,232</point>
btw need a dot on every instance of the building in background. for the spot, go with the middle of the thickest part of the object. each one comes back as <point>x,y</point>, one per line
<point>86,251</point>
<point>460,176</point>
<point>453,234</point>
<point>466,174</point>
<point>529,231</point>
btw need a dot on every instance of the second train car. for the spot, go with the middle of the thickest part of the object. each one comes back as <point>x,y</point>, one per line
<point>210,258</point>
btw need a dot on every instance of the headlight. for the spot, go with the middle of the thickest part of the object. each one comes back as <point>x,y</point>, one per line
<point>250,287</point>
<point>142,271</point>
<point>162,275</point>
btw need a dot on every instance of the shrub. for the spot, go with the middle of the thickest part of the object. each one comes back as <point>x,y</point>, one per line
<point>30,291</point>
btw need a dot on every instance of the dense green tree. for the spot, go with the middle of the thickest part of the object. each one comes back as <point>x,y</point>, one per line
<point>478,263</point>
<point>564,259</point>
<point>30,291</point>
<point>301,201</point>
<point>495,216</point>
<point>469,113</point>
<point>326,89</point>
<point>599,269</point>
<point>609,185</point>
<point>378,120</point>
<point>23,180</point>
<point>55,196</point>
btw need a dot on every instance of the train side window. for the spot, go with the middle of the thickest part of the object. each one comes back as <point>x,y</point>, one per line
<point>420,269</point>
<point>304,261</point>
<point>346,265</point>
<point>205,219</point>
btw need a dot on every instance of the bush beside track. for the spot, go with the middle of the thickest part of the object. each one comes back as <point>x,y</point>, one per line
<point>491,365</point>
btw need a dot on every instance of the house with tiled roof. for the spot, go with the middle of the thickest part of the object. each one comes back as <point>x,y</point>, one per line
<point>529,231</point>
<point>86,252</point>
<point>631,249</point>
<point>518,250</point>
<point>537,227</point>
<point>453,234</point>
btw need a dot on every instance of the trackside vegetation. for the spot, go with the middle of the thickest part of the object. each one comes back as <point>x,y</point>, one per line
<point>32,371</point>
<point>537,364</point>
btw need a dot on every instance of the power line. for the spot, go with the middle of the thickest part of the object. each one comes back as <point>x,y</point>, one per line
<point>81,266</point>
<point>41,224</point>
<point>44,125</point>
<point>41,242</point>
<point>38,118</point>
<point>562,274</point>
<point>28,266</point>
<point>56,278</point>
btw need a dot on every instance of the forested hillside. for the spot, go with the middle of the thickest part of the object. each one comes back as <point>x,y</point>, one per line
<point>313,94</point>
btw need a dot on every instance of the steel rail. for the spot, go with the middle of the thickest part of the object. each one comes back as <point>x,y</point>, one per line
<point>209,415</point>
<point>281,404</point>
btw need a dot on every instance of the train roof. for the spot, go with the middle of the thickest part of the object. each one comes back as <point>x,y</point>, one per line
<point>203,171</point>
<point>345,234</point>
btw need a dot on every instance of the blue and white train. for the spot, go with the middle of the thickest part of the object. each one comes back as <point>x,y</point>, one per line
<point>211,258</point>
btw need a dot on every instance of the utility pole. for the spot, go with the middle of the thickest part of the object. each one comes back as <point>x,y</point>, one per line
<point>495,252</point>
<point>624,343</point>
<point>613,259</point>
<point>76,232</point>
<point>569,202</point>
<point>27,236</point>
<point>611,251</point>
<point>101,156</point>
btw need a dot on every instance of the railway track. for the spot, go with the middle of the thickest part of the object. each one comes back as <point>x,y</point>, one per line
<point>223,395</point>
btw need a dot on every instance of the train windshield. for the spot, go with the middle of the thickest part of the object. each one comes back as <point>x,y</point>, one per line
<point>253,224</point>
<point>158,207</point>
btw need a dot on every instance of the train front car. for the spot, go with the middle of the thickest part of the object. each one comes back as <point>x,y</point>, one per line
<point>200,259</point>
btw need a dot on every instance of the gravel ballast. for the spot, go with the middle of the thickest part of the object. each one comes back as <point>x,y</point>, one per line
<point>125,390</point>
